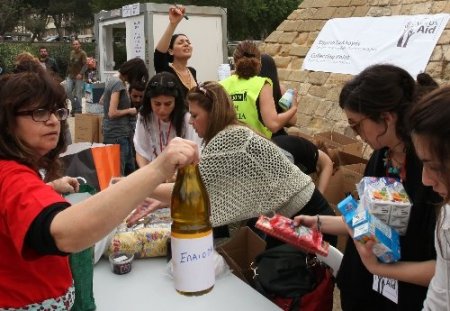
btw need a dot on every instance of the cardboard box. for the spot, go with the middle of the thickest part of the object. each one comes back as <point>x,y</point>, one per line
<point>240,251</point>
<point>100,128</point>
<point>349,173</point>
<point>86,128</point>
<point>296,132</point>
<point>341,142</point>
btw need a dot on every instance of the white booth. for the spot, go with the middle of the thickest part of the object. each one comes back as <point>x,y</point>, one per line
<point>144,24</point>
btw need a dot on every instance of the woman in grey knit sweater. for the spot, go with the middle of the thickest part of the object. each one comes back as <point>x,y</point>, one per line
<point>246,175</point>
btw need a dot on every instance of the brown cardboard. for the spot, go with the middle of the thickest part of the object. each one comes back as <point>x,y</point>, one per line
<point>86,128</point>
<point>240,251</point>
<point>334,140</point>
<point>100,128</point>
<point>343,181</point>
<point>296,132</point>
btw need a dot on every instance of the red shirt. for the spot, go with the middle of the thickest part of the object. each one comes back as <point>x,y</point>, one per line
<point>25,276</point>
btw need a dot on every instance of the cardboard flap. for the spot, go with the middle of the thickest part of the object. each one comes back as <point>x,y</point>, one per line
<point>334,140</point>
<point>240,251</point>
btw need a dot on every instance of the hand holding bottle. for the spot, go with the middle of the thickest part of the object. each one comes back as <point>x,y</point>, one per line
<point>178,153</point>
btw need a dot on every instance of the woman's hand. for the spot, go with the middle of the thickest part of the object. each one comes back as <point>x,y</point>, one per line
<point>367,256</point>
<point>145,208</point>
<point>304,220</point>
<point>176,14</point>
<point>65,184</point>
<point>178,153</point>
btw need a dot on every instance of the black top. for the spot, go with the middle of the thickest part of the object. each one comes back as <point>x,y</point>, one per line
<point>353,279</point>
<point>161,63</point>
<point>305,153</point>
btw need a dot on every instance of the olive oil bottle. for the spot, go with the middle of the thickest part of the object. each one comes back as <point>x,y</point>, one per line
<point>191,237</point>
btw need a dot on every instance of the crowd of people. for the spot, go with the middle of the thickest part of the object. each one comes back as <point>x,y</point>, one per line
<point>249,165</point>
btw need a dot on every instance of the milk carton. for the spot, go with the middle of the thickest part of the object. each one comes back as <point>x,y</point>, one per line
<point>387,199</point>
<point>367,227</point>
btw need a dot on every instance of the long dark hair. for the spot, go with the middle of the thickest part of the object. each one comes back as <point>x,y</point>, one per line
<point>164,83</point>
<point>134,70</point>
<point>379,89</point>
<point>25,91</point>
<point>429,119</point>
<point>269,70</point>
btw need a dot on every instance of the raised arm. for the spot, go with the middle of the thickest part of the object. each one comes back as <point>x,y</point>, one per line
<point>324,170</point>
<point>418,272</point>
<point>271,119</point>
<point>82,224</point>
<point>175,17</point>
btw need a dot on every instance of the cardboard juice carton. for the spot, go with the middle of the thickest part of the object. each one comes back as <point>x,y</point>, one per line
<point>367,227</point>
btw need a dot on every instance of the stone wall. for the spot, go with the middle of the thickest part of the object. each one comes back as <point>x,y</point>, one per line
<point>319,91</point>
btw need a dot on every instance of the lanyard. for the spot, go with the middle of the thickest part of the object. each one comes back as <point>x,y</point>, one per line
<point>162,144</point>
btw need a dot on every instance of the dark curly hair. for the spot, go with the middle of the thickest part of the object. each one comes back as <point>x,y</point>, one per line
<point>247,59</point>
<point>24,91</point>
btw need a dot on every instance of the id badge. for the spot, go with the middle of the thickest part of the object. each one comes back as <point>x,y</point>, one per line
<point>386,287</point>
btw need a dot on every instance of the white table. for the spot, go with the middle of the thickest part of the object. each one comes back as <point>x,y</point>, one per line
<point>147,287</point>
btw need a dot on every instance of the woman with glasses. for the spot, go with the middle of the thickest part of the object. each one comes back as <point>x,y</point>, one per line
<point>162,117</point>
<point>173,52</point>
<point>39,229</point>
<point>377,103</point>
<point>117,110</point>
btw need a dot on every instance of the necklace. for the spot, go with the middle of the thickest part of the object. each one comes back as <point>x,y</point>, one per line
<point>394,167</point>
<point>186,77</point>
<point>163,139</point>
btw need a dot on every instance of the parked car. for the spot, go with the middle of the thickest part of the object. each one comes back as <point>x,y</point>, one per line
<point>57,38</point>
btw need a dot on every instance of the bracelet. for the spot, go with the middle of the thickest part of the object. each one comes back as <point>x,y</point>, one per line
<point>318,223</point>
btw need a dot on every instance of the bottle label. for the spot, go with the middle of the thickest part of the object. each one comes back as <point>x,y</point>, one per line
<point>193,261</point>
<point>285,102</point>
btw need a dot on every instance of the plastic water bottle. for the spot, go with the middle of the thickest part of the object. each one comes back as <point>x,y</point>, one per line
<point>191,237</point>
<point>224,71</point>
<point>285,101</point>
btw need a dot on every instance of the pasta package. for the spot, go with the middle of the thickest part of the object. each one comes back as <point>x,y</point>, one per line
<point>148,238</point>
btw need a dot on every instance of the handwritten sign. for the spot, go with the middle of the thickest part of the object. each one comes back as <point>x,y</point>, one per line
<point>193,262</point>
<point>135,37</point>
<point>131,10</point>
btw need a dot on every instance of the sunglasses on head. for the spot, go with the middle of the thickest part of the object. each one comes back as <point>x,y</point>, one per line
<point>200,88</point>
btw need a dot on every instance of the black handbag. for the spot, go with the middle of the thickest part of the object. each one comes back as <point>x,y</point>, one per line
<point>293,279</point>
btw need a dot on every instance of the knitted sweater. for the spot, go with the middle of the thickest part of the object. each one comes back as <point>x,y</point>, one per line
<point>246,175</point>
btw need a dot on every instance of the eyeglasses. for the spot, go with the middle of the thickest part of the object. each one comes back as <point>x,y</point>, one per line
<point>43,115</point>
<point>356,127</point>
<point>168,84</point>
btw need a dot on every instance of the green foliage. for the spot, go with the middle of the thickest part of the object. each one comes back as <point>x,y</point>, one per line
<point>9,10</point>
<point>247,19</point>
<point>59,51</point>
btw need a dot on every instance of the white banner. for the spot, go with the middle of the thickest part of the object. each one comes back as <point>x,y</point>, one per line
<point>349,45</point>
